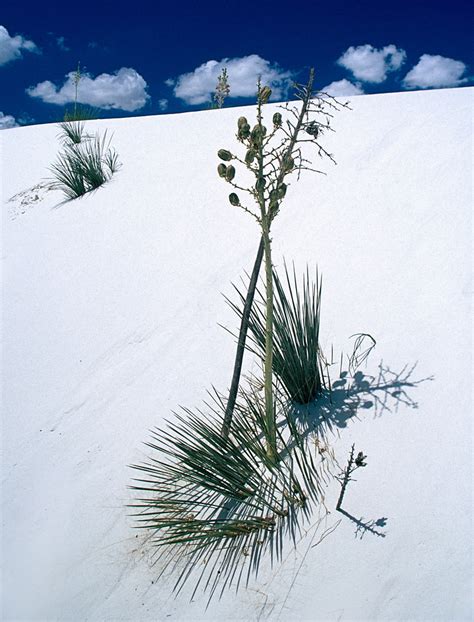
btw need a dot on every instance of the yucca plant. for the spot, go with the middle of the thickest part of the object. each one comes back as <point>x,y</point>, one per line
<point>271,155</point>
<point>81,113</point>
<point>297,358</point>
<point>84,167</point>
<point>213,493</point>
<point>72,132</point>
<point>224,500</point>
<point>222,90</point>
<point>78,112</point>
<point>68,174</point>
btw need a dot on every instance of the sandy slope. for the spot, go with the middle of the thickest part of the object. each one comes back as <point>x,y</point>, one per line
<point>110,312</point>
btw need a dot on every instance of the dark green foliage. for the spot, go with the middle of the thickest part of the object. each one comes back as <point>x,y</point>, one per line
<point>297,358</point>
<point>72,132</point>
<point>225,496</point>
<point>83,167</point>
<point>221,170</point>
<point>69,175</point>
<point>81,113</point>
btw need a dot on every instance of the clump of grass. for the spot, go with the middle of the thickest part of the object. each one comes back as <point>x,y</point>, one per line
<point>297,358</point>
<point>72,132</point>
<point>215,500</point>
<point>84,166</point>
<point>81,113</point>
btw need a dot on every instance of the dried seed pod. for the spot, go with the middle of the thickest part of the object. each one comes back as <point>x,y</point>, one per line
<point>260,185</point>
<point>230,173</point>
<point>224,154</point>
<point>264,94</point>
<point>234,199</point>
<point>312,129</point>
<point>281,191</point>
<point>258,134</point>
<point>287,163</point>
<point>244,131</point>
<point>241,122</point>
<point>221,169</point>
<point>277,119</point>
<point>250,156</point>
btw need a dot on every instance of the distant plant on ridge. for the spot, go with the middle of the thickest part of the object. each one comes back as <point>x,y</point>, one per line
<point>79,113</point>
<point>82,113</point>
<point>222,89</point>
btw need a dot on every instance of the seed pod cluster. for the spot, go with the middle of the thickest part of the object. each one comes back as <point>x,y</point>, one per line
<point>224,155</point>
<point>278,193</point>
<point>257,135</point>
<point>312,129</point>
<point>243,131</point>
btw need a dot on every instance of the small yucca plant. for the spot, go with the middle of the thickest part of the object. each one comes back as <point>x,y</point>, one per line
<point>81,113</point>
<point>297,358</point>
<point>85,166</point>
<point>222,89</point>
<point>72,132</point>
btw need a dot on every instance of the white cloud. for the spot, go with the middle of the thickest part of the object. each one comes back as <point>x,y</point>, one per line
<point>343,88</point>
<point>198,86</point>
<point>61,41</point>
<point>7,121</point>
<point>370,64</point>
<point>163,104</point>
<point>435,72</point>
<point>12,47</point>
<point>123,90</point>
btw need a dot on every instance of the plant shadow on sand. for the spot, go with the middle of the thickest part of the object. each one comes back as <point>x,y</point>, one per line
<point>352,393</point>
<point>224,545</point>
<point>350,396</point>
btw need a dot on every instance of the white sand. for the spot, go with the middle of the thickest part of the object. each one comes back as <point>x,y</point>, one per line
<point>110,312</point>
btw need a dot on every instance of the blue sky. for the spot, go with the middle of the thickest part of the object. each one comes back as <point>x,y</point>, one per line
<point>147,58</point>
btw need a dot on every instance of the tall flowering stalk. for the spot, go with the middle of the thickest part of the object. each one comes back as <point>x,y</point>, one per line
<point>272,156</point>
